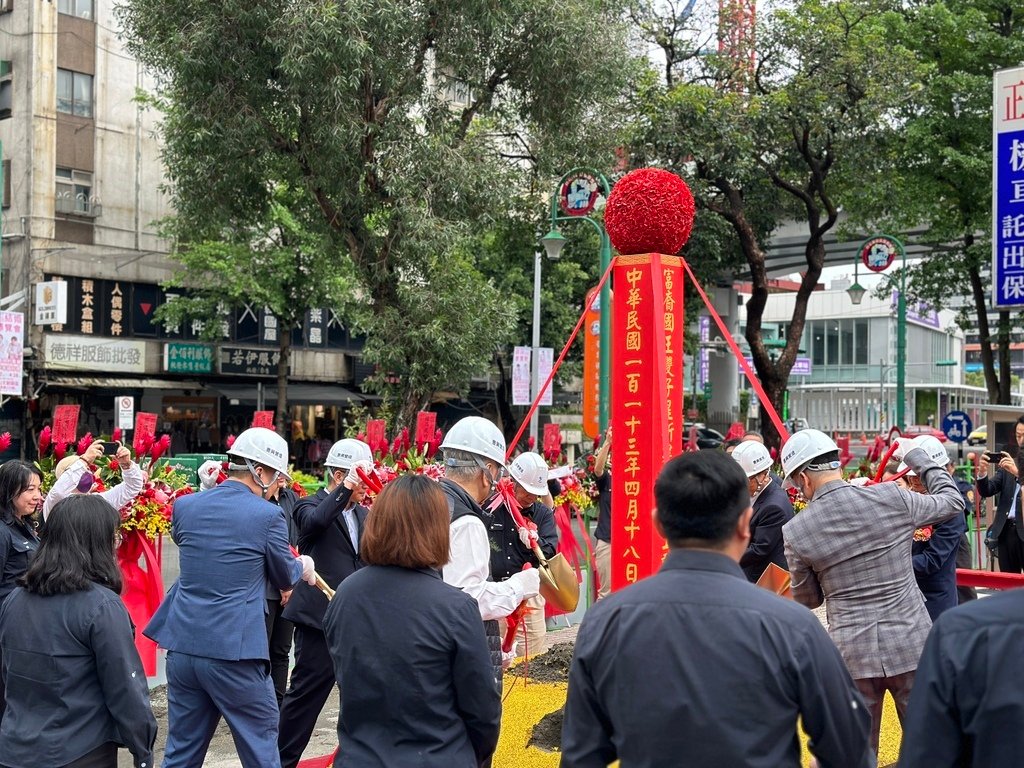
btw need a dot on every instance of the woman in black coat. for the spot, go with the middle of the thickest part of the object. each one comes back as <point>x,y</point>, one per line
<point>75,685</point>
<point>20,499</point>
<point>409,651</point>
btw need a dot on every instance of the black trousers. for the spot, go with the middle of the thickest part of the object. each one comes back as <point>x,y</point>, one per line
<point>104,756</point>
<point>311,685</point>
<point>1010,549</point>
<point>279,636</point>
<point>963,560</point>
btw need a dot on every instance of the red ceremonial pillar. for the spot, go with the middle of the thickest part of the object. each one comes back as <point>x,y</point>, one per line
<point>646,391</point>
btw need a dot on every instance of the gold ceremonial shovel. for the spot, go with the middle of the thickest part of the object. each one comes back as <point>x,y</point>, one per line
<point>558,582</point>
<point>324,587</point>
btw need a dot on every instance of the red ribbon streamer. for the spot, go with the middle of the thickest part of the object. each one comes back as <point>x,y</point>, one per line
<point>755,382</point>
<point>142,590</point>
<point>554,368</point>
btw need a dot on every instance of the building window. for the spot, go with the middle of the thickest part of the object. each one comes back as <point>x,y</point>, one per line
<point>74,93</point>
<point>74,193</point>
<point>458,92</point>
<point>7,183</point>
<point>6,96</point>
<point>80,8</point>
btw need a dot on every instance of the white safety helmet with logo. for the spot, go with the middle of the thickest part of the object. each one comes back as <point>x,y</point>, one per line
<point>802,449</point>
<point>345,453</point>
<point>530,471</point>
<point>478,436</point>
<point>936,452</point>
<point>259,445</point>
<point>752,457</point>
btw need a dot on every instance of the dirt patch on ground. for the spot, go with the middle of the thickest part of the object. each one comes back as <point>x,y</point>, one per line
<point>547,734</point>
<point>552,666</point>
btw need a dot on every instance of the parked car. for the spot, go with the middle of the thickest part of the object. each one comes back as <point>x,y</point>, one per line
<point>706,436</point>
<point>978,436</point>
<point>916,430</point>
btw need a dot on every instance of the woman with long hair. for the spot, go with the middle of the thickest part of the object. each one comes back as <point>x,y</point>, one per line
<point>75,686</point>
<point>409,651</point>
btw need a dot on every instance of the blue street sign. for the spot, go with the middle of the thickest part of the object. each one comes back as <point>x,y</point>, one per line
<point>957,426</point>
<point>1008,189</point>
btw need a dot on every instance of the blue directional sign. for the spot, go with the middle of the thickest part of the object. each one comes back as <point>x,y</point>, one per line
<point>957,426</point>
<point>1008,189</point>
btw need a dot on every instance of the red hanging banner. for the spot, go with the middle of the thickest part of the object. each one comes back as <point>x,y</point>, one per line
<point>263,419</point>
<point>426,426</point>
<point>592,364</point>
<point>552,441</point>
<point>65,423</point>
<point>646,375</point>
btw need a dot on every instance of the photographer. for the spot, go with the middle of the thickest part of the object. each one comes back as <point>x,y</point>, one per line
<point>1006,529</point>
<point>71,469</point>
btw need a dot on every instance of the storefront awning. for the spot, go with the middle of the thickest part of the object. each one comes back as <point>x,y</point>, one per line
<point>298,394</point>
<point>78,382</point>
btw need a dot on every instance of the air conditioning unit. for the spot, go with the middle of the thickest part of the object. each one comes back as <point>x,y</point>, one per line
<point>78,205</point>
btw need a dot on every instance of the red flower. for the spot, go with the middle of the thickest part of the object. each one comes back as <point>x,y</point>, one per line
<point>84,443</point>
<point>5,441</point>
<point>60,450</point>
<point>116,437</point>
<point>160,447</point>
<point>44,440</point>
<point>530,442</point>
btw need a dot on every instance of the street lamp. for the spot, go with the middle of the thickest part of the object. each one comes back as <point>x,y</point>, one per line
<point>578,191</point>
<point>856,291</point>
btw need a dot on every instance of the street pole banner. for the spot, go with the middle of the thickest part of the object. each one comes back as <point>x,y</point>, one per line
<point>521,376</point>
<point>545,356</point>
<point>646,361</point>
<point>1008,188</point>
<point>592,364</point>
<point>12,349</point>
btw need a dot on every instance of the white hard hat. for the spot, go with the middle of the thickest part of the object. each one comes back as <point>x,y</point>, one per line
<point>752,457</point>
<point>802,448</point>
<point>264,446</point>
<point>530,471</point>
<point>936,452</point>
<point>345,453</point>
<point>476,435</point>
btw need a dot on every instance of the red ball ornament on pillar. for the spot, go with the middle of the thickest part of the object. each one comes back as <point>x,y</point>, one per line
<point>650,210</point>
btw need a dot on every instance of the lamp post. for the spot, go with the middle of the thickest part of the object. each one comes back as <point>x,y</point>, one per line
<point>573,199</point>
<point>535,354</point>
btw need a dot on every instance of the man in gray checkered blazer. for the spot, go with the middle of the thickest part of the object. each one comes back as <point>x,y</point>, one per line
<point>850,548</point>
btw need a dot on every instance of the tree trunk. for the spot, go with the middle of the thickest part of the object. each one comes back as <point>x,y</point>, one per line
<point>988,364</point>
<point>1005,374</point>
<point>284,347</point>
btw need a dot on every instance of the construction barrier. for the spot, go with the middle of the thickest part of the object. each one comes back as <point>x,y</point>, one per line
<point>988,579</point>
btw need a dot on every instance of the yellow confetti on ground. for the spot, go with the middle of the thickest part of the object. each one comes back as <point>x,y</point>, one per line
<point>525,705</point>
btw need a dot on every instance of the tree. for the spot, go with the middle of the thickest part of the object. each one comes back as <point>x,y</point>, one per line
<point>400,122</point>
<point>278,265</point>
<point>788,140</point>
<point>941,180</point>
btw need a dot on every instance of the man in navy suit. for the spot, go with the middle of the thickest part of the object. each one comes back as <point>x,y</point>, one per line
<point>772,510</point>
<point>1007,528</point>
<point>330,528</point>
<point>231,541</point>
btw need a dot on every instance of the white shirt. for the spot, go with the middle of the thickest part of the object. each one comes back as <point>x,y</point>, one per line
<point>129,487</point>
<point>349,513</point>
<point>469,565</point>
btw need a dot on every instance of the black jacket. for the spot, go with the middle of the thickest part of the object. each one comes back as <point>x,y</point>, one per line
<point>694,666</point>
<point>74,679</point>
<point>18,545</point>
<point>323,536</point>
<point>508,555</point>
<point>966,709</point>
<point>935,565</point>
<point>772,510</point>
<point>1004,484</point>
<point>411,660</point>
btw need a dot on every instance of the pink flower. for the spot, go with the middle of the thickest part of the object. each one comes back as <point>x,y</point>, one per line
<point>116,437</point>
<point>60,450</point>
<point>230,441</point>
<point>84,443</point>
<point>44,440</point>
<point>160,447</point>
<point>5,441</point>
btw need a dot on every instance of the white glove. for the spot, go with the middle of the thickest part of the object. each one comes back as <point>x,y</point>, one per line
<point>208,473</point>
<point>528,536</point>
<point>508,658</point>
<point>859,482</point>
<point>903,446</point>
<point>528,581</point>
<point>308,570</point>
<point>352,479</point>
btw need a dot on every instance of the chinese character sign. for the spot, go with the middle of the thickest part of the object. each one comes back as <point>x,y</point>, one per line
<point>1008,189</point>
<point>521,376</point>
<point>263,419</point>
<point>65,423</point>
<point>145,425</point>
<point>12,347</point>
<point>646,362</point>
<point>592,364</point>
